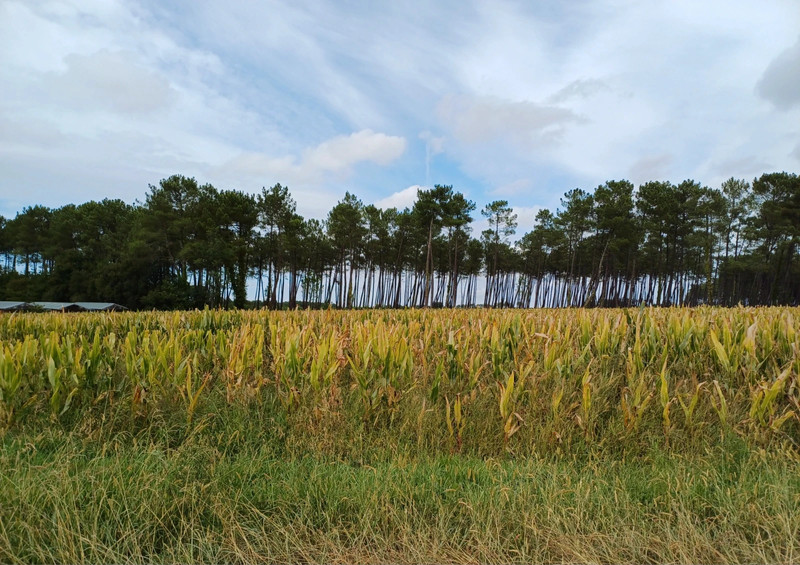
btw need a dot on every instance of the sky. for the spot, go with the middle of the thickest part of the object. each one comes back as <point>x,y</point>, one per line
<point>519,101</point>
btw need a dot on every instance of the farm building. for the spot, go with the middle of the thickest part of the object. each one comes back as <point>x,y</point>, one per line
<point>9,306</point>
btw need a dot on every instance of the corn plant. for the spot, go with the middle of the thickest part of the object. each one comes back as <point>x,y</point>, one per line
<point>720,403</point>
<point>764,406</point>
<point>327,360</point>
<point>637,395</point>
<point>507,401</point>
<point>664,397</point>
<point>16,366</point>
<point>584,419</point>
<point>382,366</point>
<point>192,386</point>
<point>244,355</point>
<point>456,423</point>
<point>64,370</point>
<point>688,403</point>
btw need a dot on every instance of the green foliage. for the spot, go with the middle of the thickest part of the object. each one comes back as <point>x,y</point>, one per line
<point>191,245</point>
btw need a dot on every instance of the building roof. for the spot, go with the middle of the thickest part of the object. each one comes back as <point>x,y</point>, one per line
<point>57,306</point>
<point>11,306</point>
<point>102,306</point>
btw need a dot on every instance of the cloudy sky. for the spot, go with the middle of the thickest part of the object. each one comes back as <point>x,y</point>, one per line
<point>504,100</point>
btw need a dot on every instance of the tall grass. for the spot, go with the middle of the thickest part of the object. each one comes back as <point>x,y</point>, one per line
<point>133,498</point>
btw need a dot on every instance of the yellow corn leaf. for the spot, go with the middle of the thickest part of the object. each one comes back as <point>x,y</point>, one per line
<point>722,355</point>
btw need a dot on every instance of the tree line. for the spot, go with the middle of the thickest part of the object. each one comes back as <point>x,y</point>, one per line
<point>190,245</point>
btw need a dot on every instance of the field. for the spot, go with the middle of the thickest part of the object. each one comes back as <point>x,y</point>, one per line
<point>636,435</point>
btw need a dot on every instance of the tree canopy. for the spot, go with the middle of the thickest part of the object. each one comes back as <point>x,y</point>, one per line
<point>190,245</point>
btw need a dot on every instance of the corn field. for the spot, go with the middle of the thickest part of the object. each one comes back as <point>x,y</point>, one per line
<point>484,381</point>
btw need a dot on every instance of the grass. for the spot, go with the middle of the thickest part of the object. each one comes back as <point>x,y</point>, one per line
<point>239,489</point>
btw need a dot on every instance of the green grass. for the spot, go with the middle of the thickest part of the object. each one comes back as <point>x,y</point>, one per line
<point>238,489</point>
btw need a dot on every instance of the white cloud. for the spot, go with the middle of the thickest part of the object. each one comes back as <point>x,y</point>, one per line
<point>526,219</point>
<point>489,119</point>
<point>779,83</point>
<point>109,80</point>
<point>317,176</point>
<point>580,88</point>
<point>343,151</point>
<point>402,199</point>
<point>336,157</point>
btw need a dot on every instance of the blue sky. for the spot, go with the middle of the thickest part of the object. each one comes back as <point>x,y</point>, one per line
<point>504,100</point>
